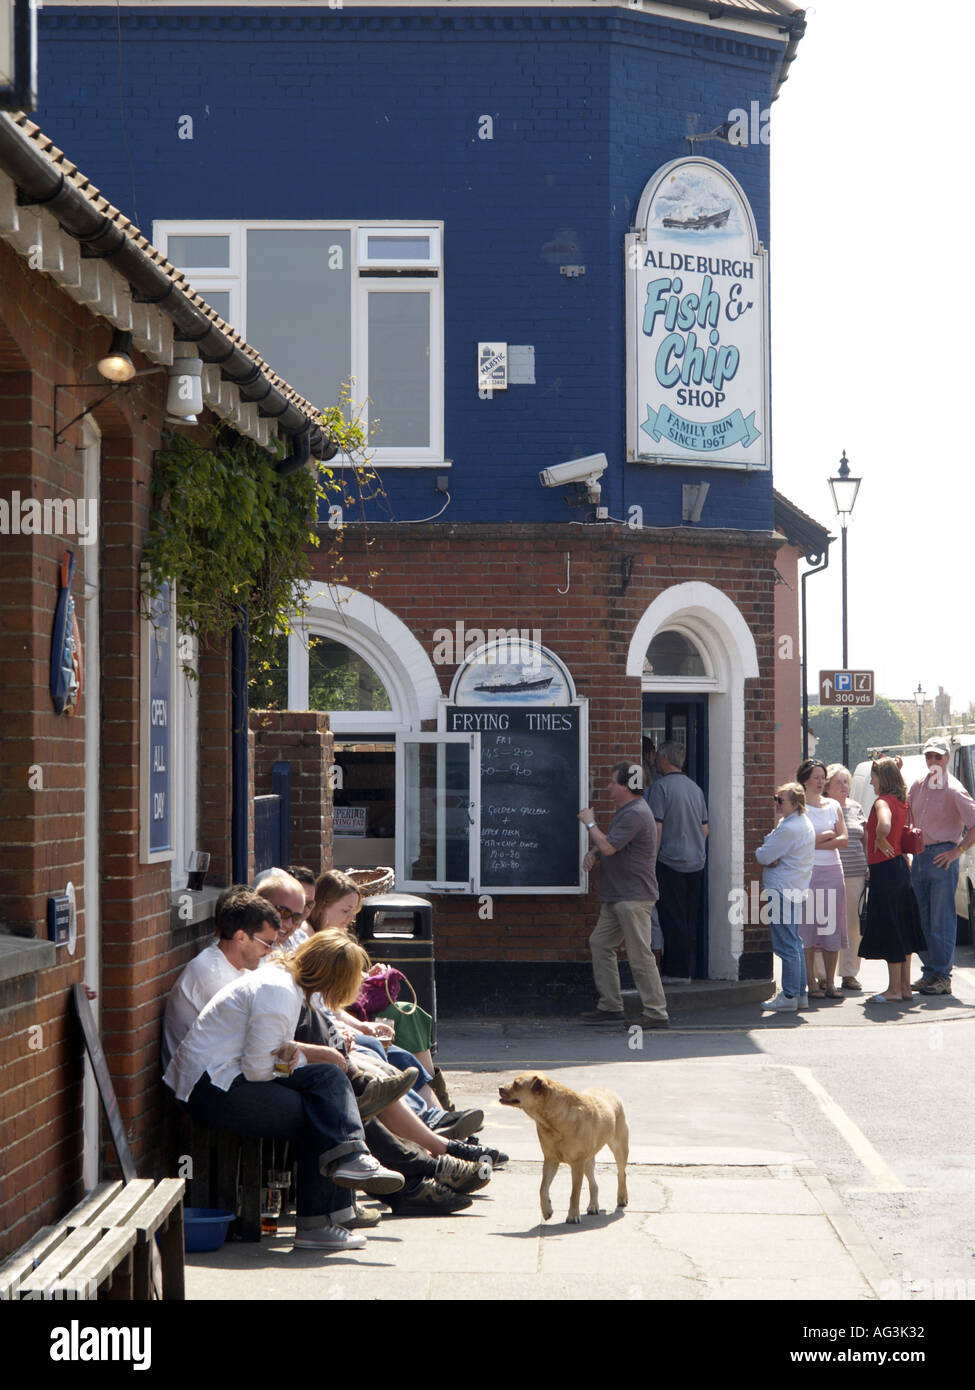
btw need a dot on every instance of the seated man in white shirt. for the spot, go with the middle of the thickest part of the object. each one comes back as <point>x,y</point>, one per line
<point>248,929</point>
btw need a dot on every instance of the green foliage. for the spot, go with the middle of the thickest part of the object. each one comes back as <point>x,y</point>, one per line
<point>232,535</point>
<point>877,727</point>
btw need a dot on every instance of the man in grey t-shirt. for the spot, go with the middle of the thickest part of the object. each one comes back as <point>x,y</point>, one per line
<point>681,814</point>
<point>627,892</point>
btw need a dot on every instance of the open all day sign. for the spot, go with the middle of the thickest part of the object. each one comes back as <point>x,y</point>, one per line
<point>697,323</point>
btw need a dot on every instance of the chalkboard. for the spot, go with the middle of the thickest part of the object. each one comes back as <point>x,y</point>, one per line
<point>529,793</point>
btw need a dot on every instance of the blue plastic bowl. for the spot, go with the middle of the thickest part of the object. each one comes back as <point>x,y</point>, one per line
<point>204,1228</point>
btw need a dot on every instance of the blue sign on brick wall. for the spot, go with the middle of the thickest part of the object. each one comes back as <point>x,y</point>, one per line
<point>157,716</point>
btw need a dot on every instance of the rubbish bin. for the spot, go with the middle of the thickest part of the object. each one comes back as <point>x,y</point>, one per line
<point>397,928</point>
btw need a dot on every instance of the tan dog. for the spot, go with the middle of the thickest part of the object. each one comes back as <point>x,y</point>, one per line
<point>572,1127</point>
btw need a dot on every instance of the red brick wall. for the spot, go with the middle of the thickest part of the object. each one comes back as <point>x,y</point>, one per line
<point>45,339</point>
<point>494,576</point>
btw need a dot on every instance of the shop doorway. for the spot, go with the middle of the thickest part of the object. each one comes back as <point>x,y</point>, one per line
<point>684,719</point>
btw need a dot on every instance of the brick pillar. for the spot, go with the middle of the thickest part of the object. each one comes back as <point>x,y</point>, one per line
<point>301,738</point>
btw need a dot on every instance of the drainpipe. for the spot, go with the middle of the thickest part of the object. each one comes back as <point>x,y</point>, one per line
<point>805,682</point>
<point>240,808</point>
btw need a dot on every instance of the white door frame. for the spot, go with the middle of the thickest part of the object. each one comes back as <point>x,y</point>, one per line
<point>87,598</point>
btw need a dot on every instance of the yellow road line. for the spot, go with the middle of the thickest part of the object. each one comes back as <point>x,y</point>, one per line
<point>886,1180</point>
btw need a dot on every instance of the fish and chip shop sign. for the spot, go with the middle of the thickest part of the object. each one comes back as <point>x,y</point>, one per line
<point>697,323</point>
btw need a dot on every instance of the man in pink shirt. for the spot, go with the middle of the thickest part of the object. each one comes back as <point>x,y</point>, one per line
<point>942,808</point>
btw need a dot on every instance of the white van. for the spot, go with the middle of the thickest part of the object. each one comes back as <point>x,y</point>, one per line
<point>961,765</point>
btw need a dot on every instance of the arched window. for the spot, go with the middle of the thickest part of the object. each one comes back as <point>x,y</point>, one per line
<point>341,679</point>
<point>672,653</point>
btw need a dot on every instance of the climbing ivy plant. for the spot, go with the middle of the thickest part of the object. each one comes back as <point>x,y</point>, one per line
<point>235,536</point>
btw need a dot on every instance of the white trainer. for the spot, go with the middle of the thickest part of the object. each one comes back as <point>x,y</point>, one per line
<point>804,1001</point>
<point>328,1238</point>
<point>782,1003</point>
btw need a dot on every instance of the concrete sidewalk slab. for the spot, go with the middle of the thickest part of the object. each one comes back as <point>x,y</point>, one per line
<point>722,1205</point>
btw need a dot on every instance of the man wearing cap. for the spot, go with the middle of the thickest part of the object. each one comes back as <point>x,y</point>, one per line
<point>941,808</point>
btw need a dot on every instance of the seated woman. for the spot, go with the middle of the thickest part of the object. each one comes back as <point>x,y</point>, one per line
<point>338,1049</point>
<point>227,1070</point>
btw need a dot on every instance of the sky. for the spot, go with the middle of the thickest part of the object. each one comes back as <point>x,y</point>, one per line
<point>873,224</point>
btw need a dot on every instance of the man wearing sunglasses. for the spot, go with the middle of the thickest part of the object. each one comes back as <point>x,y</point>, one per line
<point>942,808</point>
<point>287,897</point>
<point>248,929</point>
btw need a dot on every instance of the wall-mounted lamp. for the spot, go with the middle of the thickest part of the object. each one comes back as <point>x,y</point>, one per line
<point>183,400</point>
<point>117,364</point>
<point>185,396</point>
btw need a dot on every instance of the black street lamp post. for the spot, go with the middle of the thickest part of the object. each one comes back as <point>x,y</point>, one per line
<point>919,696</point>
<point>844,488</point>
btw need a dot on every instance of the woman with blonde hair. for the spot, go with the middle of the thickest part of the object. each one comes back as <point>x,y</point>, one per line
<point>238,1068</point>
<point>822,925</point>
<point>853,858</point>
<point>893,926</point>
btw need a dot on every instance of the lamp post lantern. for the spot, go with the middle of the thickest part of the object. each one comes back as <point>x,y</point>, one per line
<point>919,697</point>
<point>844,488</point>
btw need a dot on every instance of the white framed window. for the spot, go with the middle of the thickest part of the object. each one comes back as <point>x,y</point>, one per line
<point>329,302</point>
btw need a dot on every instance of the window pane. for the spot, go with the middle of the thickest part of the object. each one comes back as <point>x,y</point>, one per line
<point>339,679</point>
<point>190,252</point>
<point>673,654</point>
<point>299,314</point>
<point>437,823</point>
<point>399,369</point>
<point>219,300</point>
<point>399,248</point>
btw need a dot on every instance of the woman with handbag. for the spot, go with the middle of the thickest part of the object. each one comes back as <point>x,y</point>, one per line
<point>893,927</point>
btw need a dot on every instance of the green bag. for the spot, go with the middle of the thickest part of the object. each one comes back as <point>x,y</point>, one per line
<point>414,1030</point>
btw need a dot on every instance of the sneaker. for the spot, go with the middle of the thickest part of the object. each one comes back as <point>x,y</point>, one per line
<point>364,1172</point>
<point>328,1238</point>
<point>782,1003</point>
<point>364,1219</point>
<point>675,979</point>
<point>462,1176</point>
<point>935,984</point>
<point>646,1022</point>
<point>380,1092</point>
<point>803,1001</point>
<point>435,1198</point>
<point>474,1153</point>
<point>602,1016</point>
<point>459,1125</point>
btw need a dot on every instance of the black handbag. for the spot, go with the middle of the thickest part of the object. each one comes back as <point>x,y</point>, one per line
<point>862,907</point>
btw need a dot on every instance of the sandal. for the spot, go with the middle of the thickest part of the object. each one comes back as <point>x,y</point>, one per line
<point>816,993</point>
<point>833,993</point>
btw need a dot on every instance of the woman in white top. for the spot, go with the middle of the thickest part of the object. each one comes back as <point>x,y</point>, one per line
<point>823,923</point>
<point>787,853</point>
<point>239,1069</point>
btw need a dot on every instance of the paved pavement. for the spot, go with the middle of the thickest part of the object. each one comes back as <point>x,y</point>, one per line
<point>724,1201</point>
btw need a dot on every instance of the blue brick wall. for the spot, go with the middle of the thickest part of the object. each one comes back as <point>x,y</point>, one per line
<point>374,114</point>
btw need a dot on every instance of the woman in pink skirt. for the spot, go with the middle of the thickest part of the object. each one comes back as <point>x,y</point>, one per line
<point>822,926</point>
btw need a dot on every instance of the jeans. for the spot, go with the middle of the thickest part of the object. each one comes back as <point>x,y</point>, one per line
<point>784,914</point>
<point>314,1107</point>
<point>934,889</point>
<point>677,905</point>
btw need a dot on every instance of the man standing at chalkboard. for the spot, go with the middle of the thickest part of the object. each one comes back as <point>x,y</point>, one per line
<point>627,892</point>
<point>681,814</point>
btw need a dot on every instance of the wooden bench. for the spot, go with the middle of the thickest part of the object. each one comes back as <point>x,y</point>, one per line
<point>105,1248</point>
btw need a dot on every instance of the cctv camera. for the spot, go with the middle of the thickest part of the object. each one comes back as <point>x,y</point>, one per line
<point>585,470</point>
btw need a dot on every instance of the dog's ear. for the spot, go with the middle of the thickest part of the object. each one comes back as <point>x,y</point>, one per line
<point>539,1083</point>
